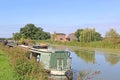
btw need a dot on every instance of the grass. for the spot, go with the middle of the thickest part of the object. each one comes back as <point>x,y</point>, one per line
<point>96,44</point>
<point>14,65</point>
<point>6,71</point>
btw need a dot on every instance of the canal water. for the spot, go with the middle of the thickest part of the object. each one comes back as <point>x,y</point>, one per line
<point>95,64</point>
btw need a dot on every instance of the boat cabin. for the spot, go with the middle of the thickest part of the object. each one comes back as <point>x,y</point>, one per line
<point>57,62</point>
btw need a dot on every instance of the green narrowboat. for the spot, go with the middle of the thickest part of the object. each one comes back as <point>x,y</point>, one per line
<point>58,62</point>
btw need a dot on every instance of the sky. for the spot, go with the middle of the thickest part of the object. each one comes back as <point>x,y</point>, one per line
<point>62,16</point>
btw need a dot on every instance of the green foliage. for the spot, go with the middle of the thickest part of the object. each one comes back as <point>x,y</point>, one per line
<point>112,34</point>
<point>17,36</point>
<point>30,31</point>
<point>95,44</point>
<point>97,36</point>
<point>25,41</point>
<point>6,71</point>
<point>87,35</point>
<point>2,38</point>
<point>112,37</point>
<point>78,33</point>
<point>53,36</point>
<point>24,68</point>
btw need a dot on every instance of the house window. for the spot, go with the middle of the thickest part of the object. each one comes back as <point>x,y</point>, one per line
<point>61,38</point>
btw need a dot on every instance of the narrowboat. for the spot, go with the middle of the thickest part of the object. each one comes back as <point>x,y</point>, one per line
<point>57,62</point>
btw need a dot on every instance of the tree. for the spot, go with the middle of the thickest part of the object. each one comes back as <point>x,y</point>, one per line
<point>47,35</point>
<point>30,31</point>
<point>88,35</point>
<point>97,36</point>
<point>111,34</point>
<point>16,36</point>
<point>78,33</point>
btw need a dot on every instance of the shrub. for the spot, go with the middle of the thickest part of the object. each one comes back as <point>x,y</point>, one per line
<point>24,68</point>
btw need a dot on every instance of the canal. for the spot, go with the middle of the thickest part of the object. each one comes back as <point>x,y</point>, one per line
<point>95,64</point>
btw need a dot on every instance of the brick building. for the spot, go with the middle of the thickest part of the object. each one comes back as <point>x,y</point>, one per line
<point>60,37</point>
<point>71,37</point>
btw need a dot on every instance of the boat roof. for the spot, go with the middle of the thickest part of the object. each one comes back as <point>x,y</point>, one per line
<point>41,50</point>
<point>46,50</point>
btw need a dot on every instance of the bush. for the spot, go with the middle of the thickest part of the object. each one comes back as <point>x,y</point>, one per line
<point>24,68</point>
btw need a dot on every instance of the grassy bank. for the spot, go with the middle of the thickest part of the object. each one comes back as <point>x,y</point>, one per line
<point>23,68</point>
<point>97,44</point>
<point>6,71</point>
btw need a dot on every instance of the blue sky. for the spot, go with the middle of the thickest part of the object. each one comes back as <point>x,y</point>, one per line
<point>59,15</point>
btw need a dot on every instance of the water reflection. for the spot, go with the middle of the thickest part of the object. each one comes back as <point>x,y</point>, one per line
<point>112,58</point>
<point>101,65</point>
<point>85,55</point>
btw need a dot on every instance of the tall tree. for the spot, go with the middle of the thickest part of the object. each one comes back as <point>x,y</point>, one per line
<point>78,33</point>
<point>30,31</point>
<point>97,36</point>
<point>88,35</point>
<point>16,36</point>
<point>111,34</point>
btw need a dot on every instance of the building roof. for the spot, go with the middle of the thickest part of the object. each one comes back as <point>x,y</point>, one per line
<point>72,35</point>
<point>60,34</point>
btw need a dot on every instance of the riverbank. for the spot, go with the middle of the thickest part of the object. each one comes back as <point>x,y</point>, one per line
<point>99,46</point>
<point>6,71</point>
<point>14,61</point>
<point>76,48</point>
